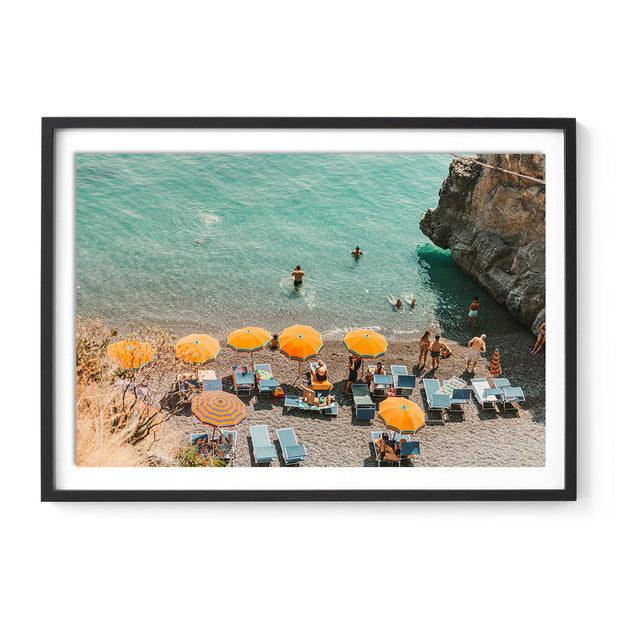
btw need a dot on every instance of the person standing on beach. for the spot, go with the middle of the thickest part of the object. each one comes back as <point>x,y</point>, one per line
<point>474,306</point>
<point>542,336</point>
<point>298,274</point>
<point>357,252</point>
<point>476,349</point>
<point>425,345</point>
<point>436,348</point>
<point>355,361</point>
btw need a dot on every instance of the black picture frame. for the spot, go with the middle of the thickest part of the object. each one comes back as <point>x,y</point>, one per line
<point>50,126</point>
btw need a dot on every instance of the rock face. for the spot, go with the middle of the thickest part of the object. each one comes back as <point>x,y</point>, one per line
<point>494,224</point>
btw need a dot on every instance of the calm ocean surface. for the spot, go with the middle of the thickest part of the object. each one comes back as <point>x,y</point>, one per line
<point>211,240</point>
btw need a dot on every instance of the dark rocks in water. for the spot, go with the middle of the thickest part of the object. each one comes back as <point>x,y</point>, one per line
<point>494,224</point>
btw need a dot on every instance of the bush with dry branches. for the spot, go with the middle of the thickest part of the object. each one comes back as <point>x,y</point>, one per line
<point>118,409</point>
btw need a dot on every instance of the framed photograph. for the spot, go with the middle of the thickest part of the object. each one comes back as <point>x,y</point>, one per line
<point>308,309</point>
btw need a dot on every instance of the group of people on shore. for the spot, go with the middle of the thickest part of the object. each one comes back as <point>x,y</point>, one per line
<point>440,350</point>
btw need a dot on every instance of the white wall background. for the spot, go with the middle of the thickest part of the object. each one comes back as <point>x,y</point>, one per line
<point>316,59</point>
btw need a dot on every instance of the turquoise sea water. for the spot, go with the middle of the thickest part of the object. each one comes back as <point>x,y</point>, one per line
<point>210,240</point>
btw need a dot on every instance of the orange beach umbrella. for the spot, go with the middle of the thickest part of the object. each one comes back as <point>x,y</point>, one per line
<point>366,343</point>
<point>197,348</point>
<point>131,353</point>
<point>401,415</point>
<point>300,342</point>
<point>248,339</point>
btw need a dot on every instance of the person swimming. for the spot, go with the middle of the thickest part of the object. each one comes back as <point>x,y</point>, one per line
<point>357,252</point>
<point>298,275</point>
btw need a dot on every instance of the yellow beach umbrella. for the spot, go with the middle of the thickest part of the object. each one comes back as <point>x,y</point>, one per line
<point>197,348</point>
<point>401,415</point>
<point>131,353</point>
<point>366,343</point>
<point>300,343</point>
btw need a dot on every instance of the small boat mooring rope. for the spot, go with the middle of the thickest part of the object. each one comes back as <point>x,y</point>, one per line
<point>524,176</point>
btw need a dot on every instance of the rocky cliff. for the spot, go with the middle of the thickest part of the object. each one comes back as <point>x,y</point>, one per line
<point>494,224</point>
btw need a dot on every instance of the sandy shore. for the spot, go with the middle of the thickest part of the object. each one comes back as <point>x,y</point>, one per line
<point>472,438</point>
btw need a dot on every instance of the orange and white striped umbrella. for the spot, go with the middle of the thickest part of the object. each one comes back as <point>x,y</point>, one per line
<point>197,348</point>
<point>131,353</point>
<point>217,408</point>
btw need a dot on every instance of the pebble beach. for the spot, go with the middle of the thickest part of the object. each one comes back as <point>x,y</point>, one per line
<point>466,438</point>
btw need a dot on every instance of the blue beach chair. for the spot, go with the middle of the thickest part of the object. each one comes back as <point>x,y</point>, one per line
<point>292,450</point>
<point>264,451</point>
<point>403,381</point>
<point>210,385</point>
<point>460,397</point>
<point>434,398</point>
<point>485,394</point>
<point>265,380</point>
<point>243,380</point>
<point>512,394</point>
<point>362,401</point>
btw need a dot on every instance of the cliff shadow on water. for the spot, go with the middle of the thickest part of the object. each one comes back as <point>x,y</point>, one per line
<point>454,291</point>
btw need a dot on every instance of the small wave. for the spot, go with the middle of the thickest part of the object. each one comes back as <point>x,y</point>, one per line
<point>209,218</point>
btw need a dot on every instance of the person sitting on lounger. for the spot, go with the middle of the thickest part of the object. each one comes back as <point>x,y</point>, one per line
<point>273,345</point>
<point>319,374</point>
<point>311,398</point>
<point>387,448</point>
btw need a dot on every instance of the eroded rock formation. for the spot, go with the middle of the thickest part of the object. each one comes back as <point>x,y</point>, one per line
<point>494,223</point>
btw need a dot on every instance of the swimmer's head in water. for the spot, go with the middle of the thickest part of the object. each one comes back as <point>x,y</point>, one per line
<point>298,268</point>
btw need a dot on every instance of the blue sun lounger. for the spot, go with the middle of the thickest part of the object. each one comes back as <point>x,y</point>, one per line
<point>403,381</point>
<point>485,394</point>
<point>264,451</point>
<point>512,394</point>
<point>243,379</point>
<point>292,450</point>
<point>460,397</point>
<point>434,398</point>
<point>297,402</point>
<point>265,385</point>
<point>210,385</point>
<point>362,401</point>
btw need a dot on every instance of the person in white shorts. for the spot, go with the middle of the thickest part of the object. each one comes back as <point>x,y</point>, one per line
<point>476,349</point>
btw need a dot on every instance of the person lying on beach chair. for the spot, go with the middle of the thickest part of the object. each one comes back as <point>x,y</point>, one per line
<point>311,398</point>
<point>388,449</point>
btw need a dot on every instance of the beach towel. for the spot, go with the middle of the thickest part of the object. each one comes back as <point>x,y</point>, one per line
<point>452,384</point>
<point>263,374</point>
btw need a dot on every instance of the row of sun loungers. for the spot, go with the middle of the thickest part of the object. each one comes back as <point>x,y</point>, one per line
<point>265,452</point>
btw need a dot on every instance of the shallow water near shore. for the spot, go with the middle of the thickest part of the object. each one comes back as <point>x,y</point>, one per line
<point>208,242</point>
